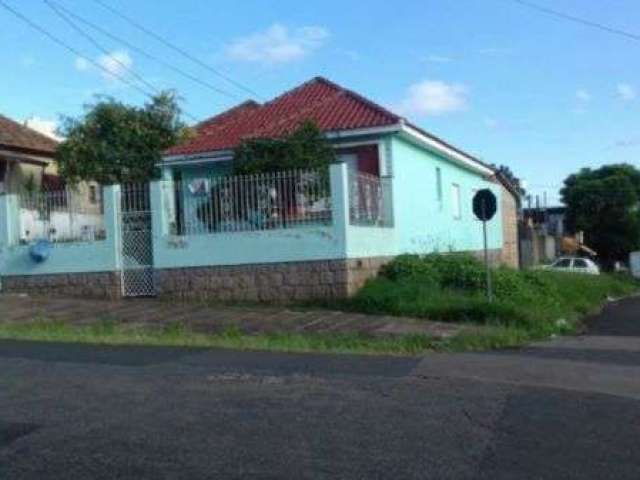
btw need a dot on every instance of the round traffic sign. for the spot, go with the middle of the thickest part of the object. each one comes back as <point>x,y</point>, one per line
<point>485,205</point>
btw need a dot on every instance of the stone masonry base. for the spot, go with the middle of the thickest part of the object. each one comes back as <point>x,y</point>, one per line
<point>273,282</point>
<point>86,285</point>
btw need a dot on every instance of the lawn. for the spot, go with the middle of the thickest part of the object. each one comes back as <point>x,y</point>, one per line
<point>528,306</point>
<point>107,332</point>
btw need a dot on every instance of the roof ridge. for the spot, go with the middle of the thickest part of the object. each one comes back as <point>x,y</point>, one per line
<point>30,130</point>
<point>229,111</point>
<point>286,93</point>
<point>306,108</point>
<point>47,144</point>
<point>361,98</point>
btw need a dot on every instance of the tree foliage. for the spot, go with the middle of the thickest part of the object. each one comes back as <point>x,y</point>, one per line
<point>304,148</point>
<point>115,143</point>
<point>603,203</point>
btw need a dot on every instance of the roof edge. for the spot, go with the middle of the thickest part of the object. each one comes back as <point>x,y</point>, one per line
<point>447,150</point>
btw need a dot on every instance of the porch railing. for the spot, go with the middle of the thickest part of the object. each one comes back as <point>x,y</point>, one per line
<point>69,215</point>
<point>369,200</point>
<point>246,203</point>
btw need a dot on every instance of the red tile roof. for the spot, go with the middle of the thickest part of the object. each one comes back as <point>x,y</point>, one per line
<point>15,136</point>
<point>330,106</point>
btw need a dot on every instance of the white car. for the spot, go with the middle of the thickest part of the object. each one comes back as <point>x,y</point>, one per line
<point>574,265</point>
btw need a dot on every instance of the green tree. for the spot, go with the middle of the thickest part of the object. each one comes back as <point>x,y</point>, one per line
<point>603,203</point>
<point>115,143</point>
<point>304,148</point>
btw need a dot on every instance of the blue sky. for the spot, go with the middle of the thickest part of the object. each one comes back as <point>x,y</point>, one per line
<point>508,84</point>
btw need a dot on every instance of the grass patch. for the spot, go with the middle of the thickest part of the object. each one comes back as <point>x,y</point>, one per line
<point>528,305</point>
<point>175,334</point>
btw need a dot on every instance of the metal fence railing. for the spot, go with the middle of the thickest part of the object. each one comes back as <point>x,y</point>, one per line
<point>68,215</point>
<point>245,203</point>
<point>369,200</point>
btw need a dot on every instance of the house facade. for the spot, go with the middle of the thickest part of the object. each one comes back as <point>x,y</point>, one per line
<point>423,186</point>
<point>26,157</point>
<point>202,232</point>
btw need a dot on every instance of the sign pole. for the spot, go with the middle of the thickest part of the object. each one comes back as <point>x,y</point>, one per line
<point>486,254</point>
<point>485,207</point>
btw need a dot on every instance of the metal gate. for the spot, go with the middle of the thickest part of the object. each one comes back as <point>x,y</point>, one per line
<point>137,243</point>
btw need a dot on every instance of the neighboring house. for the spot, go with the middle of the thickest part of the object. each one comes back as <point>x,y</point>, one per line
<point>550,220</point>
<point>544,236</point>
<point>28,169</point>
<point>26,157</point>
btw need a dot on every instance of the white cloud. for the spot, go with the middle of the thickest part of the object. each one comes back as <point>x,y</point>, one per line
<point>114,65</point>
<point>626,92</point>
<point>583,96</point>
<point>44,126</point>
<point>277,44</point>
<point>431,97</point>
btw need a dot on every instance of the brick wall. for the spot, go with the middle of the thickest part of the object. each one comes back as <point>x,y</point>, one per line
<point>274,282</point>
<point>510,250</point>
<point>86,285</point>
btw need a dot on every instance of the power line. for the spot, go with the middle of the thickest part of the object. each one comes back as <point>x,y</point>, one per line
<point>175,48</point>
<point>144,53</point>
<point>106,51</point>
<point>73,50</point>
<point>99,46</point>
<point>575,19</point>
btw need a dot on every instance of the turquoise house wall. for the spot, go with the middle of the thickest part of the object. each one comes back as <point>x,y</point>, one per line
<point>423,225</point>
<point>76,257</point>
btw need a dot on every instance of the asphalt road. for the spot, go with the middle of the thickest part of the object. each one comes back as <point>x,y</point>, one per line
<point>564,409</point>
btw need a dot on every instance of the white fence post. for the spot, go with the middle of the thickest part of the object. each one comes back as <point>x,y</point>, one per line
<point>339,179</point>
<point>9,220</point>
<point>112,225</point>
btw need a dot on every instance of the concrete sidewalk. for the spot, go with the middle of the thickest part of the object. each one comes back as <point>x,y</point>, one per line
<point>208,318</point>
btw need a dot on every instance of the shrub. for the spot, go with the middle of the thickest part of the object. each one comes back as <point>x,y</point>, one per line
<point>407,267</point>
<point>457,271</point>
<point>452,288</point>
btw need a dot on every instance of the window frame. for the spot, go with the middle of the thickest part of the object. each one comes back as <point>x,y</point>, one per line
<point>585,264</point>
<point>556,264</point>
<point>456,201</point>
<point>439,189</point>
<point>93,195</point>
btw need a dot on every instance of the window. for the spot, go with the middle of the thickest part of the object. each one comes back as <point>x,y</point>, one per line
<point>564,263</point>
<point>439,187</point>
<point>93,194</point>
<point>456,204</point>
<point>578,263</point>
